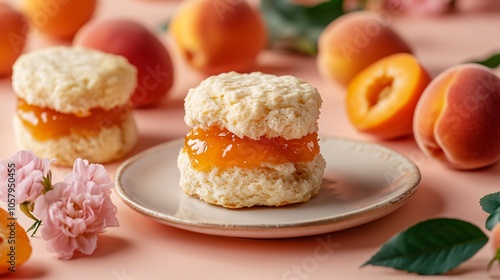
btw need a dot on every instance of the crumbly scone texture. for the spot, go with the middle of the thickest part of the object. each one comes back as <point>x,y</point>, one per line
<point>254,105</point>
<point>109,144</point>
<point>267,185</point>
<point>73,79</point>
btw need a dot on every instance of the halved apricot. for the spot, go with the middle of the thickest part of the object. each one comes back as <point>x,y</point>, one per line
<point>381,99</point>
<point>15,248</point>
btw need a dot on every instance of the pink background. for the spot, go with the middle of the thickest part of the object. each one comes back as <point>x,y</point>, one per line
<point>143,249</point>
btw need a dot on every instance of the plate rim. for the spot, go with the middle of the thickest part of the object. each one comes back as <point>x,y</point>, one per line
<point>359,216</point>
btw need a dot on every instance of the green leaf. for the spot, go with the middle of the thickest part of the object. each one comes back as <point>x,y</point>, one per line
<point>47,182</point>
<point>493,219</point>
<point>491,62</point>
<point>490,203</point>
<point>298,27</point>
<point>163,26</point>
<point>431,247</point>
<point>27,209</point>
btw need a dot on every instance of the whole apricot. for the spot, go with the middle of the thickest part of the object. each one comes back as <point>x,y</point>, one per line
<point>15,247</point>
<point>13,34</point>
<point>352,42</point>
<point>382,98</point>
<point>141,47</point>
<point>216,36</point>
<point>58,18</point>
<point>457,119</point>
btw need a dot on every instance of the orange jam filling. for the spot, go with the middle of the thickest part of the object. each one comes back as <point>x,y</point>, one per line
<point>221,148</point>
<point>46,123</point>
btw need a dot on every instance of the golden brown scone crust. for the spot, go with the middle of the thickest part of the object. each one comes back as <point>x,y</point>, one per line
<point>267,185</point>
<point>108,144</point>
<point>73,80</point>
<point>254,105</point>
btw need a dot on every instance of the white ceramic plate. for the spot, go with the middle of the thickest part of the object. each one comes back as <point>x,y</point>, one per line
<point>362,182</point>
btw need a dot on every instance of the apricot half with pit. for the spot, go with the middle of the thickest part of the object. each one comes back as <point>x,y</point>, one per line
<point>457,119</point>
<point>382,98</point>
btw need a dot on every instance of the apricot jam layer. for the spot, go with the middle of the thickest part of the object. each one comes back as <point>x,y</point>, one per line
<point>45,123</point>
<point>221,148</point>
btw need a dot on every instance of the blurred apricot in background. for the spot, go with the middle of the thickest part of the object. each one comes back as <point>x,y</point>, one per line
<point>13,33</point>
<point>58,18</point>
<point>216,36</point>
<point>141,47</point>
<point>352,42</point>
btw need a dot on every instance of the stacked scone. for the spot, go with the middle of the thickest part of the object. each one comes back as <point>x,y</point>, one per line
<point>74,102</point>
<point>253,141</point>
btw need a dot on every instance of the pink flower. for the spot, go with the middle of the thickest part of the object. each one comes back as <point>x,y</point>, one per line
<point>29,170</point>
<point>77,210</point>
<point>83,172</point>
<point>420,7</point>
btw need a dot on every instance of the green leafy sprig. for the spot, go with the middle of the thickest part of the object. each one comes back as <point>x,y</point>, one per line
<point>491,205</point>
<point>439,245</point>
<point>27,207</point>
<point>490,62</point>
<point>298,27</point>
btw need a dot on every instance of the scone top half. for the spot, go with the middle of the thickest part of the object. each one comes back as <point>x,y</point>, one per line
<point>246,120</point>
<point>254,105</point>
<point>64,89</point>
<point>73,80</point>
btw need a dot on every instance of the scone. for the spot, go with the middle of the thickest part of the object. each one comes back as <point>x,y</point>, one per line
<point>253,141</point>
<point>74,102</point>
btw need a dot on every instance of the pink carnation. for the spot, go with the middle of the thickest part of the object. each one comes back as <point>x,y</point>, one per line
<point>29,170</point>
<point>77,210</point>
<point>420,7</point>
<point>83,172</point>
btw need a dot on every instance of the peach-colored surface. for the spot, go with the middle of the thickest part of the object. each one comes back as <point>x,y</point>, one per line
<point>143,249</point>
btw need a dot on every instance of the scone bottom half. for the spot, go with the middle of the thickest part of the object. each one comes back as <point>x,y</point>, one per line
<point>274,165</point>
<point>74,103</point>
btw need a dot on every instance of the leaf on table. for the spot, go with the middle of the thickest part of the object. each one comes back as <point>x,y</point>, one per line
<point>491,62</point>
<point>431,247</point>
<point>298,27</point>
